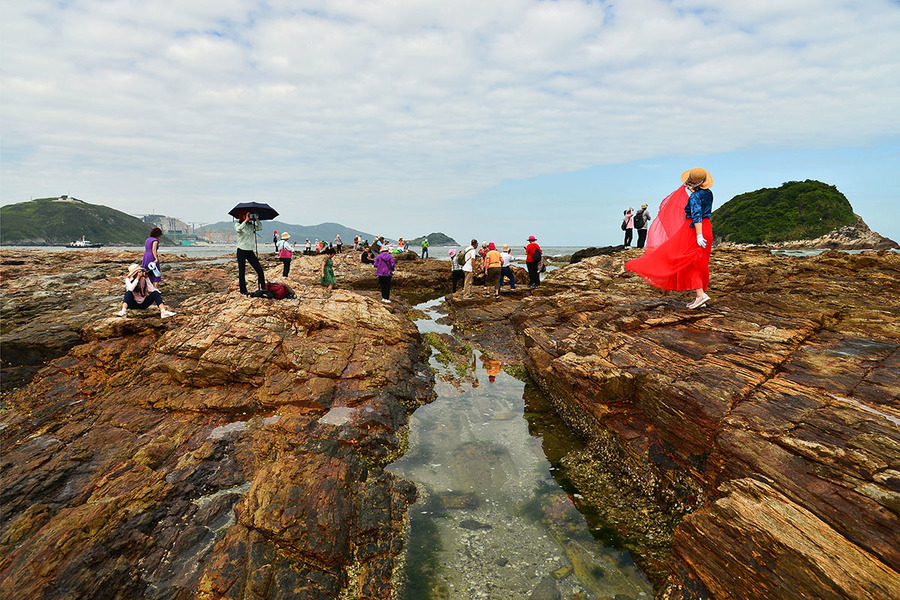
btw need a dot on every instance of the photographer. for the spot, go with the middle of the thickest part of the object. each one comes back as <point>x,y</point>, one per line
<point>246,233</point>
<point>141,293</point>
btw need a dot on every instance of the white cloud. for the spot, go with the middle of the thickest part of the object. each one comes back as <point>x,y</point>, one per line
<point>188,105</point>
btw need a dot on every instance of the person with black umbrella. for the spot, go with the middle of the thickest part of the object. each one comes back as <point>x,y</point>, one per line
<point>246,230</point>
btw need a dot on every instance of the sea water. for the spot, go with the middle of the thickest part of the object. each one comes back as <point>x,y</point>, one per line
<point>492,520</point>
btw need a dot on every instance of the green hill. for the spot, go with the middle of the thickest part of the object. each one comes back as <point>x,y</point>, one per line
<point>434,239</point>
<point>798,210</point>
<point>56,222</point>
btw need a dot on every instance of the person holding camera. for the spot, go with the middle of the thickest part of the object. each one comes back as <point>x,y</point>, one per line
<point>246,233</point>
<point>141,293</point>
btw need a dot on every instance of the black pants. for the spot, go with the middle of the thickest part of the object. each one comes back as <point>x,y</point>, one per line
<point>628,234</point>
<point>153,298</point>
<point>534,278</point>
<point>458,276</point>
<point>385,282</point>
<point>507,273</point>
<point>424,252</point>
<point>249,256</point>
<point>287,266</point>
<point>642,238</point>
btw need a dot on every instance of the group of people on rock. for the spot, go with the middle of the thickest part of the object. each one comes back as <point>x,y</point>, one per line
<point>496,265</point>
<point>676,257</point>
<point>639,220</point>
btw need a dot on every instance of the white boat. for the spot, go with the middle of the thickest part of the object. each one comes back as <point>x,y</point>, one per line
<point>83,243</point>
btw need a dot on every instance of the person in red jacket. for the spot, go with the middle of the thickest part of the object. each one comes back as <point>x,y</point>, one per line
<point>533,256</point>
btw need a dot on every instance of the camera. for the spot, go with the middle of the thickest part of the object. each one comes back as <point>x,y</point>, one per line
<point>254,217</point>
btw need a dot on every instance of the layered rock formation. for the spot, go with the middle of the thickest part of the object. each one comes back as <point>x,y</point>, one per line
<point>234,451</point>
<point>750,449</point>
<point>857,236</point>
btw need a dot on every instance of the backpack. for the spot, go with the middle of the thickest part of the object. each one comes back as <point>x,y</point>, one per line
<point>461,258</point>
<point>277,291</point>
<point>537,256</point>
<point>639,220</point>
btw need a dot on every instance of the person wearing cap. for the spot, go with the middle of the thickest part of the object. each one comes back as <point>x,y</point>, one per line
<point>141,293</point>
<point>628,226</point>
<point>285,252</point>
<point>642,224</point>
<point>533,256</point>
<point>425,245</point>
<point>456,269</point>
<point>679,245</point>
<point>384,268</point>
<point>493,263</point>
<point>506,267</point>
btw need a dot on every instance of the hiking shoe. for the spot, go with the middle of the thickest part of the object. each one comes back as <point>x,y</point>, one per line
<point>122,313</point>
<point>167,313</point>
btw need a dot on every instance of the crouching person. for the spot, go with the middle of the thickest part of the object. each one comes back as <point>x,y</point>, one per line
<point>140,293</point>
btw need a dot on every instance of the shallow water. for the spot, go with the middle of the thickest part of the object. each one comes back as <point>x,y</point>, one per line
<point>492,520</point>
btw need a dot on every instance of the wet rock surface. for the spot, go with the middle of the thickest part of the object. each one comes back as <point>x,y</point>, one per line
<point>749,449</point>
<point>234,451</point>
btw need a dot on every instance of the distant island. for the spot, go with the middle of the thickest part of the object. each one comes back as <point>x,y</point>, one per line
<point>434,239</point>
<point>62,220</point>
<point>798,210</point>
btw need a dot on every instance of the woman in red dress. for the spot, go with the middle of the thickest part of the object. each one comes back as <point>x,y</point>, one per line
<point>680,240</point>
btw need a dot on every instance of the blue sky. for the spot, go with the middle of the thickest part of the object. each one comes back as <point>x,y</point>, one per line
<point>496,120</point>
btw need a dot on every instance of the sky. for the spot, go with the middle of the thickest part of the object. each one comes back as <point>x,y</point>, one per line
<point>496,120</point>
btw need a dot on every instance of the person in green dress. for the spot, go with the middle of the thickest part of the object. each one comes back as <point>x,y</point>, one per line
<point>328,269</point>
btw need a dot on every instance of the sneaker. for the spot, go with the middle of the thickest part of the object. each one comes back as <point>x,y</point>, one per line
<point>385,300</point>
<point>122,312</point>
<point>167,313</point>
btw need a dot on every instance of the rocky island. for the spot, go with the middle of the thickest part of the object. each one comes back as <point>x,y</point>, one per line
<point>750,449</point>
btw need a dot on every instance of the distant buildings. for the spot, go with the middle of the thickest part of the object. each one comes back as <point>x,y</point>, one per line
<point>169,225</point>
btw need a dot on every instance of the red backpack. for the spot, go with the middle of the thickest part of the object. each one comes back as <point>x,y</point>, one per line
<point>279,290</point>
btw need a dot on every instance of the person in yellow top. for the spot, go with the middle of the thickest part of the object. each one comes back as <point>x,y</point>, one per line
<point>493,264</point>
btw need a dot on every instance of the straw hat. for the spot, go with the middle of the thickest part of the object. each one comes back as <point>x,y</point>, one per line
<point>697,177</point>
<point>505,247</point>
<point>285,235</point>
<point>132,269</point>
<point>644,205</point>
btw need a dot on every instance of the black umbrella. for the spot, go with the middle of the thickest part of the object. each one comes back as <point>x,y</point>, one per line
<point>265,212</point>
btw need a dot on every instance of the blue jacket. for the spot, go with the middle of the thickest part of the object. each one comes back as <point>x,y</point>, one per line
<point>699,206</point>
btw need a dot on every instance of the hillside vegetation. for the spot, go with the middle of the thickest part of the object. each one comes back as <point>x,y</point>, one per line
<point>55,222</point>
<point>798,210</point>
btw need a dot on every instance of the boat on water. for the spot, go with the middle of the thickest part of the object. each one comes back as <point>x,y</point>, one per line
<point>83,243</point>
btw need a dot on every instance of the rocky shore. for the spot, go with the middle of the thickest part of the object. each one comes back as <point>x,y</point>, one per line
<point>750,449</point>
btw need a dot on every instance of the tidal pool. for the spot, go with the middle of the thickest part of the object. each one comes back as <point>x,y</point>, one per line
<point>492,521</point>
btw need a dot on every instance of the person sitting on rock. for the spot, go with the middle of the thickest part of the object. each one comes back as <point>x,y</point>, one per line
<point>141,293</point>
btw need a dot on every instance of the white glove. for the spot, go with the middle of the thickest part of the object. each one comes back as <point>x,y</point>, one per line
<point>701,241</point>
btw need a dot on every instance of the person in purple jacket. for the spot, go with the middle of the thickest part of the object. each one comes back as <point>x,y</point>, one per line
<point>384,268</point>
<point>151,255</point>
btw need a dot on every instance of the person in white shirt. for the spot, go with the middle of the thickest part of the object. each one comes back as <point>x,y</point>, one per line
<point>471,253</point>
<point>506,268</point>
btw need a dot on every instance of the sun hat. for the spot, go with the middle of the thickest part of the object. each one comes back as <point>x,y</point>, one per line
<point>386,248</point>
<point>451,252</point>
<point>697,177</point>
<point>644,205</point>
<point>531,238</point>
<point>285,235</point>
<point>505,247</point>
<point>491,246</point>
<point>132,269</point>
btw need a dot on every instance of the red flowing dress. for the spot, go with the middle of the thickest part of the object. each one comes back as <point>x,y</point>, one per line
<point>672,259</point>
